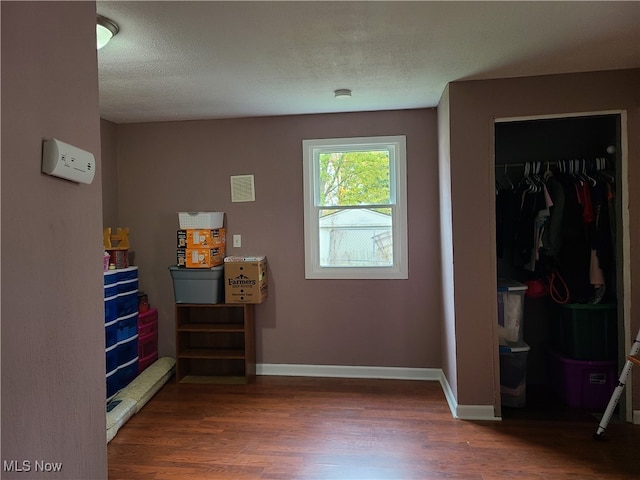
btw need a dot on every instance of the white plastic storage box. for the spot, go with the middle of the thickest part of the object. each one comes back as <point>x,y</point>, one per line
<point>202,286</point>
<point>510,311</point>
<point>513,375</point>
<point>200,220</point>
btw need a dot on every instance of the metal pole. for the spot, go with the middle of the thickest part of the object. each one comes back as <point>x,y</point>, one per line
<point>615,396</point>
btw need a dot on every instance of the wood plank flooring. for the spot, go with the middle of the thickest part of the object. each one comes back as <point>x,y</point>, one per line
<point>285,428</point>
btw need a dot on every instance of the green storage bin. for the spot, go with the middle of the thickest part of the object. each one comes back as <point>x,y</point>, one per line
<point>586,332</point>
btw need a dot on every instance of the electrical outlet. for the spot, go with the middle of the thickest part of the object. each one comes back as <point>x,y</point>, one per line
<point>237,240</point>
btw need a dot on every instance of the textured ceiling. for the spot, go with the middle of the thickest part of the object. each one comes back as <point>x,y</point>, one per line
<point>207,59</point>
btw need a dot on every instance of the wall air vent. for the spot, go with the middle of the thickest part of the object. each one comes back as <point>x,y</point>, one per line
<point>242,188</point>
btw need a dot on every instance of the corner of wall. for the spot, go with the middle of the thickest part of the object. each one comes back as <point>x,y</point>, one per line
<point>466,412</point>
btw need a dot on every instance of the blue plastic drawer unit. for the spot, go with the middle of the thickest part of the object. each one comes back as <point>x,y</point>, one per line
<point>121,327</point>
<point>127,350</point>
<point>110,309</point>
<point>110,277</point>
<point>124,286</point>
<point>127,372</point>
<point>129,273</point>
<point>113,381</point>
<point>112,358</point>
<point>111,333</point>
<point>127,327</point>
<point>111,290</point>
<point>127,303</point>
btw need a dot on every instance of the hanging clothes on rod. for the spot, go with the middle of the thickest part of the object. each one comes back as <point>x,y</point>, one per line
<point>558,216</point>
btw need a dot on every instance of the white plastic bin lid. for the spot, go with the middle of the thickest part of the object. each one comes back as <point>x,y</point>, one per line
<point>237,258</point>
<point>508,285</point>
<point>515,348</point>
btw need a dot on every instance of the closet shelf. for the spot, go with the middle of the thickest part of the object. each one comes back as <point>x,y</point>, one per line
<point>212,327</point>
<point>215,343</point>
<point>213,353</point>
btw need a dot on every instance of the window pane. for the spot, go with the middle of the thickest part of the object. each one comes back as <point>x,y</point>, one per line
<point>355,214</point>
<point>356,237</point>
<point>354,178</point>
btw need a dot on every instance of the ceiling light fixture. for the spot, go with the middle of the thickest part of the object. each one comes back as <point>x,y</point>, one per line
<point>105,30</point>
<point>342,93</point>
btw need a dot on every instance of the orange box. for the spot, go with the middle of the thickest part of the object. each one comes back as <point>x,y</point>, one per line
<point>197,238</point>
<point>200,257</point>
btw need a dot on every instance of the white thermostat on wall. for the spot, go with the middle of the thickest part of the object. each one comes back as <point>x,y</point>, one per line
<point>66,161</point>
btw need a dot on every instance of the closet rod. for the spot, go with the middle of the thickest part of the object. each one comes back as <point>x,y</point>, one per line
<point>544,164</point>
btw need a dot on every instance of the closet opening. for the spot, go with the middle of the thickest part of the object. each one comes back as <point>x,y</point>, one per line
<point>560,237</point>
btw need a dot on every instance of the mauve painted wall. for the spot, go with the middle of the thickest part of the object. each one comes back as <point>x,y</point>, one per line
<point>473,107</point>
<point>449,351</point>
<point>168,167</point>
<point>108,142</point>
<point>53,361</point>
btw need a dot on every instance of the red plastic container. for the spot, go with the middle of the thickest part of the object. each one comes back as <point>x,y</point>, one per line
<point>147,350</point>
<point>148,322</point>
<point>148,345</point>
<point>148,338</point>
<point>143,363</point>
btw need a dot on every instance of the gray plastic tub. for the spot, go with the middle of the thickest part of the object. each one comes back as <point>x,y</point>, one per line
<point>198,285</point>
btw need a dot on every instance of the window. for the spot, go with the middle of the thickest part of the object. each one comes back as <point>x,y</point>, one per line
<point>355,213</point>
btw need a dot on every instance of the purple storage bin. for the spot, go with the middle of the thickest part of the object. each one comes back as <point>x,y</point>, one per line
<point>583,383</point>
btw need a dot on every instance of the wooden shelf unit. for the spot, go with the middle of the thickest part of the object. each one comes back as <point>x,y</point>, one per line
<point>215,343</point>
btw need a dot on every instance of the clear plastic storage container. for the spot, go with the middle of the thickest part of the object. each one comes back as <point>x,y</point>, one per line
<point>510,311</point>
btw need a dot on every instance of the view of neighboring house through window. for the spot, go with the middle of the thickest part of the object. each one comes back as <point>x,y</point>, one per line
<point>355,207</point>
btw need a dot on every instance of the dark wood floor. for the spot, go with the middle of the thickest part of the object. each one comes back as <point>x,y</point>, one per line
<point>309,428</point>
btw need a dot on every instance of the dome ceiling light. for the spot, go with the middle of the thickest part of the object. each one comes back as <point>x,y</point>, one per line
<point>342,93</point>
<point>105,30</point>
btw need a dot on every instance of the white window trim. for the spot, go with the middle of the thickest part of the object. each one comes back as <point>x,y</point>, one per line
<point>400,268</point>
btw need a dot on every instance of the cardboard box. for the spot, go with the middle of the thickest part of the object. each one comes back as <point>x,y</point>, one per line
<point>197,238</point>
<point>245,279</point>
<point>200,257</point>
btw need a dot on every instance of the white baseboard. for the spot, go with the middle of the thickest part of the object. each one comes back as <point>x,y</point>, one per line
<point>466,412</point>
<point>340,371</point>
<point>463,412</point>
<point>476,412</point>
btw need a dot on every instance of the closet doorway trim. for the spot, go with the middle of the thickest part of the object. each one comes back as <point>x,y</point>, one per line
<point>626,241</point>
